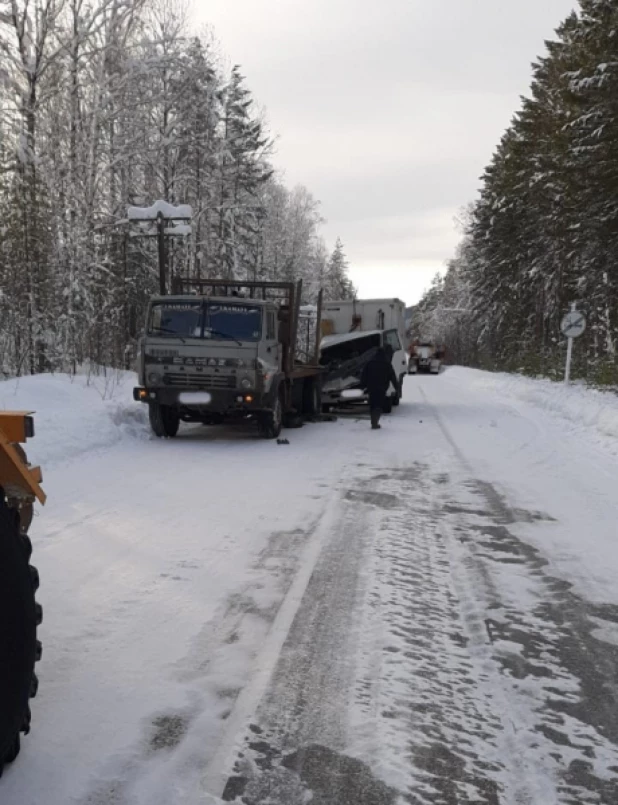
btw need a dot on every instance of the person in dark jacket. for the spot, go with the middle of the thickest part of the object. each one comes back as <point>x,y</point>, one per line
<point>377,376</point>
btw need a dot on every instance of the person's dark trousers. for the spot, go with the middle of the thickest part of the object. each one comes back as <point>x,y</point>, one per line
<point>375,406</point>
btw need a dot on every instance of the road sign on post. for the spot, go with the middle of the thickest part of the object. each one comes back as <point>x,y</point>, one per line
<point>573,325</point>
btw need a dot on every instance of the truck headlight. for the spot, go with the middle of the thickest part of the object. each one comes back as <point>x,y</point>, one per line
<point>246,383</point>
<point>154,378</point>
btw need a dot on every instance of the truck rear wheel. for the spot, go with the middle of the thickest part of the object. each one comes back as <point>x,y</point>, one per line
<point>271,422</point>
<point>19,647</point>
<point>164,420</point>
<point>312,397</point>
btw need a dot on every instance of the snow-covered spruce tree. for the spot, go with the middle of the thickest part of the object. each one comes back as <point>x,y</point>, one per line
<point>198,135</point>
<point>594,130</point>
<point>242,170</point>
<point>544,229</point>
<point>337,284</point>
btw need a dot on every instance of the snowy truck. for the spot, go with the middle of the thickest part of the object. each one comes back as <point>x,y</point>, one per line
<point>425,356</point>
<point>216,351</point>
<point>352,331</point>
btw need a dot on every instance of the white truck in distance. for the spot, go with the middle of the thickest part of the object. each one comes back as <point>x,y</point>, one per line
<point>352,330</point>
<point>425,356</point>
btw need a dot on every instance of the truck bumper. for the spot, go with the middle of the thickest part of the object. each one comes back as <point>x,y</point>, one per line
<point>218,401</point>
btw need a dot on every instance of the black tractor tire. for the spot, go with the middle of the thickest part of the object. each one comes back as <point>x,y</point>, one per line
<point>19,647</point>
<point>164,420</point>
<point>312,397</point>
<point>270,423</point>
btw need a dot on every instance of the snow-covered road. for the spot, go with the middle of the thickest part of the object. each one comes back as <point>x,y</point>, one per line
<point>423,615</point>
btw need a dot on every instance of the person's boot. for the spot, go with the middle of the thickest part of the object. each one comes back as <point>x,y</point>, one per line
<point>375,420</point>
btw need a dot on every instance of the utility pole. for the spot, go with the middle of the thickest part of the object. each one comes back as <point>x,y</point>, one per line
<point>162,254</point>
<point>162,221</point>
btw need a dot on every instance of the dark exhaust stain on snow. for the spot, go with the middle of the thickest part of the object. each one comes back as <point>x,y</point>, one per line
<point>500,510</point>
<point>230,693</point>
<point>336,779</point>
<point>313,773</point>
<point>448,772</point>
<point>111,794</point>
<point>369,498</point>
<point>168,732</point>
<point>368,493</point>
<point>410,474</point>
<point>165,732</point>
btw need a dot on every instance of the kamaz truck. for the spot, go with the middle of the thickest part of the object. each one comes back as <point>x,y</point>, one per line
<point>217,351</point>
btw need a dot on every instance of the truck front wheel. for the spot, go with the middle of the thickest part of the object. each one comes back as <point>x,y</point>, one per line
<point>164,420</point>
<point>271,422</point>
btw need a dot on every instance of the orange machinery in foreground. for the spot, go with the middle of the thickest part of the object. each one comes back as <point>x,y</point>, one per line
<point>20,615</point>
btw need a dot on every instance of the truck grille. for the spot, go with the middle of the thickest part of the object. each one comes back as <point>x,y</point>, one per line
<point>199,380</point>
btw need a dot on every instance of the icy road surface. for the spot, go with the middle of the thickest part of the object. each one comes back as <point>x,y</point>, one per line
<point>423,615</point>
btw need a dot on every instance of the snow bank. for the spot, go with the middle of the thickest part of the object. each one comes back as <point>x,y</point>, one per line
<point>587,411</point>
<point>75,415</point>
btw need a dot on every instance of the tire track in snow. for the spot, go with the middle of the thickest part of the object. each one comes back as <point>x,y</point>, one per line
<point>557,677</point>
<point>380,612</point>
<point>215,779</point>
<point>443,706</point>
<point>434,698</point>
<point>295,744</point>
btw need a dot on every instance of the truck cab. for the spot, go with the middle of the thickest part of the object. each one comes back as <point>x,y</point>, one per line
<point>216,358</point>
<point>426,357</point>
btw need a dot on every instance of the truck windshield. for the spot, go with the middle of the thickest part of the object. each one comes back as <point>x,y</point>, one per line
<point>177,319</point>
<point>238,322</point>
<point>214,321</point>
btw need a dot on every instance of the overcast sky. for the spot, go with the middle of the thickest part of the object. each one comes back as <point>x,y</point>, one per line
<point>386,111</point>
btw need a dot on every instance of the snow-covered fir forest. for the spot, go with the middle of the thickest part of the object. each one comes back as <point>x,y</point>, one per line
<point>111,103</point>
<point>544,230</point>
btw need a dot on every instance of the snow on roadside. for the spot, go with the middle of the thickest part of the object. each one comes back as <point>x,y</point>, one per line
<point>584,410</point>
<point>75,414</point>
